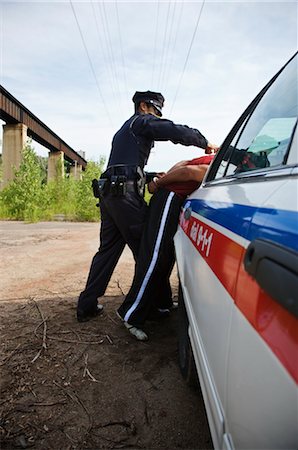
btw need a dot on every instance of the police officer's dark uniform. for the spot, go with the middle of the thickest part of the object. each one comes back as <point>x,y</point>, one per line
<point>122,206</point>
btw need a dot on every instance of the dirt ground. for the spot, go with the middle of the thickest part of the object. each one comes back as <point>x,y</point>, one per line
<point>66,385</point>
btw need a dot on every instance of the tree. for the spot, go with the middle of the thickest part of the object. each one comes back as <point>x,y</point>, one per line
<point>85,201</point>
<point>23,196</point>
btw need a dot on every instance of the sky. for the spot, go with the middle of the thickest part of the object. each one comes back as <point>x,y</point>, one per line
<point>76,65</point>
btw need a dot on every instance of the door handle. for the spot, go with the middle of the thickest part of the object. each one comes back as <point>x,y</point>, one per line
<point>275,268</point>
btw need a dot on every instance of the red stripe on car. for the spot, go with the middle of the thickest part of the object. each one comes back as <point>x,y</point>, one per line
<point>277,327</point>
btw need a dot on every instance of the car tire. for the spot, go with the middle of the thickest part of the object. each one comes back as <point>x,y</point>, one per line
<point>186,358</point>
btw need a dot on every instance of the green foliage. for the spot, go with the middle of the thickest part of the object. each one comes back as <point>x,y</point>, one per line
<point>147,195</point>
<point>43,162</point>
<point>85,201</point>
<point>1,167</point>
<point>22,197</point>
<point>60,198</point>
<point>29,198</point>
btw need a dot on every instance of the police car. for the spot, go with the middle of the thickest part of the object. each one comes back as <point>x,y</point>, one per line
<point>237,258</point>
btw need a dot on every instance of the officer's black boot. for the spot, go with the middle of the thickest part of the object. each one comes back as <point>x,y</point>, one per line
<point>83,316</point>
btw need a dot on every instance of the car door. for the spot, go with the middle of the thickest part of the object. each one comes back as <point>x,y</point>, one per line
<point>215,231</point>
<point>262,368</point>
<point>262,405</point>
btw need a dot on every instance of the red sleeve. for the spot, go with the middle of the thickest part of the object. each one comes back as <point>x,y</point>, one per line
<point>206,159</point>
<point>184,188</point>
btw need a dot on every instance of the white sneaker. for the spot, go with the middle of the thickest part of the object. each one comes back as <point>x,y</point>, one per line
<point>174,306</point>
<point>137,332</point>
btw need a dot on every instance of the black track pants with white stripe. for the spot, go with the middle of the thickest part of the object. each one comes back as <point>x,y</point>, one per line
<point>151,286</point>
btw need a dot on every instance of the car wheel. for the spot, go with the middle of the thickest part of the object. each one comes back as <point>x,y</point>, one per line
<point>186,359</point>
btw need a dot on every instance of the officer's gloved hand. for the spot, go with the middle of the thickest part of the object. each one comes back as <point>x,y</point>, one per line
<point>211,148</point>
<point>152,187</point>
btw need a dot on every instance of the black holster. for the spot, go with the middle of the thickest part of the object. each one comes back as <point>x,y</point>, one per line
<point>100,187</point>
<point>118,185</point>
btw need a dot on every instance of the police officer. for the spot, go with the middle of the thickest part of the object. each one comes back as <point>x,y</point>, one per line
<point>122,206</point>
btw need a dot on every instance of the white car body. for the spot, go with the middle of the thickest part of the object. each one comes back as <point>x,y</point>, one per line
<point>243,327</point>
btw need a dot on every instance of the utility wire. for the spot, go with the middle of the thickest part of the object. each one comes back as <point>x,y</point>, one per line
<point>90,63</point>
<point>172,53</point>
<point>167,52</point>
<point>110,47</point>
<point>105,54</point>
<point>121,46</point>
<point>107,45</point>
<point>155,44</point>
<point>164,43</point>
<point>188,53</point>
<point>108,53</point>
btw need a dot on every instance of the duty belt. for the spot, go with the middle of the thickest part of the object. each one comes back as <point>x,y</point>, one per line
<point>119,186</point>
<point>130,172</point>
<point>116,185</point>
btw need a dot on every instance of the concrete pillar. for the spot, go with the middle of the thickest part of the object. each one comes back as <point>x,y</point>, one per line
<point>76,171</point>
<point>55,165</point>
<point>14,140</point>
<point>80,171</point>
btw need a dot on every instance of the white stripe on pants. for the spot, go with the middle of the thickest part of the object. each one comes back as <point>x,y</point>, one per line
<point>154,257</point>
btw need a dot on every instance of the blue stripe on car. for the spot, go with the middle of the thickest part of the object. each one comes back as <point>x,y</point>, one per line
<point>278,225</point>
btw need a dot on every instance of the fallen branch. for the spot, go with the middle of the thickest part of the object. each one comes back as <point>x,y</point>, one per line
<point>20,335</point>
<point>119,286</point>
<point>77,400</point>
<point>112,320</point>
<point>70,438</point>
<point>61,402</point>
<point>32,392</point>
<point>109,339</point>
<point>44,337</point>
<point>38,326</point>
<point>87,371</point>
<point>69,331</point>
<point>10,355</point>
<point>76,342</point>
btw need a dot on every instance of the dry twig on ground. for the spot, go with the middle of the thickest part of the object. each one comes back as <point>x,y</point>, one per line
<point>44,337</point>
<point>10,355</point>
<point>77,400</point>
<point>87,371</point>
<point>119,286</point>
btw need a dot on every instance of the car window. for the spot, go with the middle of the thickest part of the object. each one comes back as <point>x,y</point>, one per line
<point>224,162</point>
<point>263,141</point>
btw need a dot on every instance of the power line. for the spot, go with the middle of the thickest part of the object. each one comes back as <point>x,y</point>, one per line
<point>164,43</point>
<point>106,56</point>
<point>168,69</point>
<point>167,53</point>
<point>121,45</point>
<point>188,53</point>
<point>155,44</point>
<point>90,63</point>
<point>109,46</point>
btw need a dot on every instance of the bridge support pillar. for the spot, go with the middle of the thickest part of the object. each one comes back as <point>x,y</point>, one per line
<point>14,141</point>
<point>55,165</point>
<point>76,171</point>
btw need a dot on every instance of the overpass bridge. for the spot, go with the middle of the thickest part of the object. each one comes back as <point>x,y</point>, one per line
<point>22,123</point>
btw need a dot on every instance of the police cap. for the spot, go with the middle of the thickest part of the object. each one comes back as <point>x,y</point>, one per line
<point>154,98</point>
